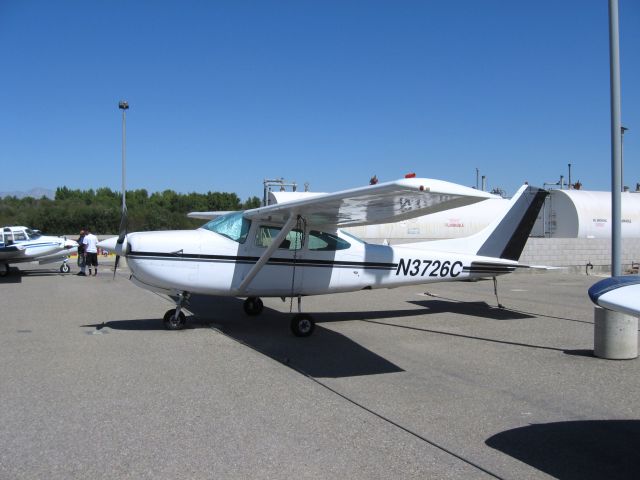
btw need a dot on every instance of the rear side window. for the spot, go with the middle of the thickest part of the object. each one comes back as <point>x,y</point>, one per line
<point>322,241</point>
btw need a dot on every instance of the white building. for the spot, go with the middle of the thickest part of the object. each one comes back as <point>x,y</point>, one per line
<point>566,214</point>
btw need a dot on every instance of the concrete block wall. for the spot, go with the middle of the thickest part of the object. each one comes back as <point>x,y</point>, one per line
<point>576,253</point>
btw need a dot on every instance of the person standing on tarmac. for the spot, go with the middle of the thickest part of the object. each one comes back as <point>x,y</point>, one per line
<point>81,255</point>
<point>91,245</point>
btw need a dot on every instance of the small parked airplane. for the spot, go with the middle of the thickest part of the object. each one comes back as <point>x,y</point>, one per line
<point>22,244</point>
<point>296,248</point>
<point>621,294</point>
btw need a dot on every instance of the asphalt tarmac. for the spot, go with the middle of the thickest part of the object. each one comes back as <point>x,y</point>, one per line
<point>418,382</point>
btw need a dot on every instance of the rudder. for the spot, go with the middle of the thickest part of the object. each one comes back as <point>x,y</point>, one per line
<point>508,238</point>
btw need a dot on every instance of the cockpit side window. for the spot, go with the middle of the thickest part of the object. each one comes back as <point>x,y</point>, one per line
<point>233,226</point>
<point>19,236</point>
<point>266,235</point>
<point>323,241</point>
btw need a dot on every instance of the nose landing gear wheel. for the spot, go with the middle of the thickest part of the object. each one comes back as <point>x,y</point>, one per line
<point>253,306</point>
<point>65,268</point>
<point>4,270</point>
<point>302,325</point>
<point>170,321</point>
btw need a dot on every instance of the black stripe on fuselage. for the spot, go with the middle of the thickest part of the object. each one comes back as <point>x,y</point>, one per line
<point>252,260</point>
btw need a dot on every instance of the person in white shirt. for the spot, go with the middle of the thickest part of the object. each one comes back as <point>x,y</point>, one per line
<point>91,251</point>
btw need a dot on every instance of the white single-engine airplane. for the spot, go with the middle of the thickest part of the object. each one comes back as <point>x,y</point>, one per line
<point>295,248</point>
<point>22,244</point>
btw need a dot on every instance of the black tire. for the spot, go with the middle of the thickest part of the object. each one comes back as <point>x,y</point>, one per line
<point>4,270</point>
<point>65,268</point>
<point>170,323</point>
<point>253,306</point>
<point>302,325</point>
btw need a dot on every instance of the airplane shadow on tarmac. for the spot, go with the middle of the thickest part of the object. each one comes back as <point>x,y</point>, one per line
<point>326,353</point>
<point>15,274</point>
<point>475,309</point>
<point>591,449</point>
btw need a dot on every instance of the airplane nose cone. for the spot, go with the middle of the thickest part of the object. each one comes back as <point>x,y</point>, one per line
<point>70,244</point>
<point>111,245</point>
<point>165,243</point>
<point>165,260</point>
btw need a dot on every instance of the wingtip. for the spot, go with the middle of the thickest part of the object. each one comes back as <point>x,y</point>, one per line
<point>608,284</point>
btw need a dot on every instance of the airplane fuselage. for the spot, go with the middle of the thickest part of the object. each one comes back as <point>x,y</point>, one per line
<point>205,262</point>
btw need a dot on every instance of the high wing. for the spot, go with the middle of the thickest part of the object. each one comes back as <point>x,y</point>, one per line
<point>207,215</point>
<point>373,204</point>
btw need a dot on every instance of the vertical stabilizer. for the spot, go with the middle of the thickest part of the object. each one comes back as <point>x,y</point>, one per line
<point>508,238</point>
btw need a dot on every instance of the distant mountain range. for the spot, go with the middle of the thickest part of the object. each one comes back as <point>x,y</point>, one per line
<point>34,192</point>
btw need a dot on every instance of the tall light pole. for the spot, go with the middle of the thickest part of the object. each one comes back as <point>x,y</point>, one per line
<point>616,174</point>
<point>615,334</point>
<point>622,130</point>
<point>124,106</point>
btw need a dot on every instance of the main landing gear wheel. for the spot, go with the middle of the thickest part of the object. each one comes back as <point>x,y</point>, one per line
<point>4,270</point>
<point>253,306</point>
<point>65,268</point>
<point>171,322</point>
<point>302,325</point>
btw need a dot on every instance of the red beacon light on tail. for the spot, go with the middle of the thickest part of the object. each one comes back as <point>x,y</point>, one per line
<point>413,175</point>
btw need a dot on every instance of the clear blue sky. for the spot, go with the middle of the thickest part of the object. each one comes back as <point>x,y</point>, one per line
<point>226,93</point>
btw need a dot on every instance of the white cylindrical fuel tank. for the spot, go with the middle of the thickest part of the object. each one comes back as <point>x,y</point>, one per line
<point>587,214</point>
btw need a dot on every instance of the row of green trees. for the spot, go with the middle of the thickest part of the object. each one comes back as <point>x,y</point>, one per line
<point>100,210</point>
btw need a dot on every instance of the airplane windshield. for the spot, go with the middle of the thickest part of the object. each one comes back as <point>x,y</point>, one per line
<point>233,226</point>
<point>32,234</point>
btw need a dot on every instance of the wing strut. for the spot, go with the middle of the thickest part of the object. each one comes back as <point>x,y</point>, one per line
<point>264,258</point>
